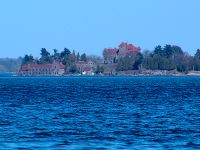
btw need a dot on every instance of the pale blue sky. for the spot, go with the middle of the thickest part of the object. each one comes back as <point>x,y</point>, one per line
<point>91,25</point>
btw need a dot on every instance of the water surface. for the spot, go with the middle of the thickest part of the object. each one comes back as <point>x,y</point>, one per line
<point>100,113</point>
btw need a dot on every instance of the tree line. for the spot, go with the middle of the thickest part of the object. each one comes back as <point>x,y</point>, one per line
<point>67,57</point>
<point>10,64</point>
<point>168,57</point>
<point>171,57</point>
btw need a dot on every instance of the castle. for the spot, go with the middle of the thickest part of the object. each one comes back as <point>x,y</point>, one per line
<point>111,55</point>
<point>57,68</point>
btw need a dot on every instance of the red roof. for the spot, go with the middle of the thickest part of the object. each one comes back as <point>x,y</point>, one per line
<point>111,50</point>
<point>24,68</point>
<point>40,66</point>
<point>133,48</point>
<point>130,47</point>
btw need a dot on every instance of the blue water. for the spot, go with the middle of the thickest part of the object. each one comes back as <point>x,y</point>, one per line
<point>100,113</point>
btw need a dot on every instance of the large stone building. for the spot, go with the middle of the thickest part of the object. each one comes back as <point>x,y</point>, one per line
<point>54,69</point>
<point>111,55</point>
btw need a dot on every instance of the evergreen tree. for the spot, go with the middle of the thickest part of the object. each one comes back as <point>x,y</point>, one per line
<point>56,54</point>
<point>99,69</point>
<point>45,56</point>
<point>177,50</point>
<point>83,57</point>
<point>78,56</point>
<point>138,61</point>
<point>167,51</point>
<point>197,54</point>
<point>158,51</point>
<point>73,55</point>
<point>73,69</point>
<point>28,59</point>
<point>64,53</point>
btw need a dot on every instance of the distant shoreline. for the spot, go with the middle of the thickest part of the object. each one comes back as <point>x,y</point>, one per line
<point>123,73</point>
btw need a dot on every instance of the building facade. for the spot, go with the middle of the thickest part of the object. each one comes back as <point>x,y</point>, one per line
<point>86,67</point>
<point>54,69</point>
<point>111,55</point>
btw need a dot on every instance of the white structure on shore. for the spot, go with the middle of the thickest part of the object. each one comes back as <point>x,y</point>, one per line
<point>86,67</point>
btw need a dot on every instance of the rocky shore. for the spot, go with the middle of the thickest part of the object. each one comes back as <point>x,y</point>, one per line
<point>145,73</point>
<point>158,73</point>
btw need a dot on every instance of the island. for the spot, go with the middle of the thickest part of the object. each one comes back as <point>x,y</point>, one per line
<point>126,59</point>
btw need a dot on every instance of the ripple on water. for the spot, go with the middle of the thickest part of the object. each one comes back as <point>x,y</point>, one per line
<point>100,113</point>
